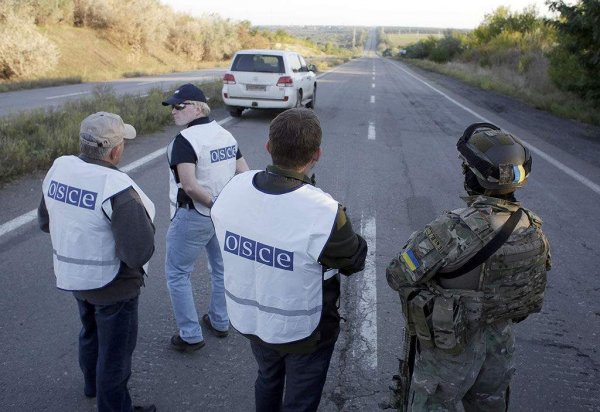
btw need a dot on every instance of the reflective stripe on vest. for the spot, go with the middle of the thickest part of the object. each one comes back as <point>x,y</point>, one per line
<point>270,246</point>
<point>75,194</point>
<point>216,150</point>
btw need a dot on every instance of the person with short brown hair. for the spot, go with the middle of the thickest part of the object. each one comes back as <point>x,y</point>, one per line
<point>284,244</point>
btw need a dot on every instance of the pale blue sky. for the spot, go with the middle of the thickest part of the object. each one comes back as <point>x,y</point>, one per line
<point>465,14</point>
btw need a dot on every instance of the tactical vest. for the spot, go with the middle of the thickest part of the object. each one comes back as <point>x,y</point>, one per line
<point>270,246</point>
<point>77,196</point>
<point>514,278</point>
<point>216,150</point>
<point>511,282</point>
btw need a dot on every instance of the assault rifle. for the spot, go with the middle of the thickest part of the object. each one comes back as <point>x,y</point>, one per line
<point>406,366</point>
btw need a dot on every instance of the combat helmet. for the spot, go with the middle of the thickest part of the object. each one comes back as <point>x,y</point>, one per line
<point>494,161</point>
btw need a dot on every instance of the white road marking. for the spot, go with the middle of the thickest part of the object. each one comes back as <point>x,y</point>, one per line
<point>373,85</point>
<point>66,95</point>
<point>372,99</point>
<point>32,214</point>
<point>561,166</point>
<point>18,222</point>
<point>371,131</point>
<point>367,302</point>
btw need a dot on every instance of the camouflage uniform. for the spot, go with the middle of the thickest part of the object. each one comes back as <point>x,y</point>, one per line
<point>465,342</point>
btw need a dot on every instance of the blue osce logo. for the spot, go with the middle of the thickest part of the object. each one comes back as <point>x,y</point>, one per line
<point>223,153</point>
<point>259,252</point>
<point>72,195</point>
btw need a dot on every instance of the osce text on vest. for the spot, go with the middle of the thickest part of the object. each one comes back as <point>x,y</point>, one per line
<point>259,252</point>
<point>72,195</point>
<point>224,153</point>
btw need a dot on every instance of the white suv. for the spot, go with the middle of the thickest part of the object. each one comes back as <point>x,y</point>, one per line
<point>268,79</point>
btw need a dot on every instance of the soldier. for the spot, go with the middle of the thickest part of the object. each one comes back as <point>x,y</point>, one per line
<point>468,276</point>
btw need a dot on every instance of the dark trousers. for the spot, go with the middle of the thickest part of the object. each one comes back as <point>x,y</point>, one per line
<point>302,375</point>
<point>106,345</point>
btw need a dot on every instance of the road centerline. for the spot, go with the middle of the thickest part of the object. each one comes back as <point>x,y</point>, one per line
<point>367,304</point>
<point>371,131</point>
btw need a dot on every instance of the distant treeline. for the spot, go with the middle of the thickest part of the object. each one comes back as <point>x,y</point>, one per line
<point>545,53</point>
<point>140,25</point>
<point>331,39</point>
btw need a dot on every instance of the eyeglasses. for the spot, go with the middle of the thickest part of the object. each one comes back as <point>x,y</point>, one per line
<point>180,106</point>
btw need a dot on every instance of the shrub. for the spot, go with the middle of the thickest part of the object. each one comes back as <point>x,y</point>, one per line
<point>220,40</point>
<point>24,51</point>
<point>185,38</point>
<point>575,63</point>
<point>51,11</point>
<point>95,14</point>
<point>421,49</point>
<point>446,48</point>
<point>251,38</point>
<point>136,23</point>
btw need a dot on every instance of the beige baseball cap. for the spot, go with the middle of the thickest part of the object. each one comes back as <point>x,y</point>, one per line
<point>104,129</point>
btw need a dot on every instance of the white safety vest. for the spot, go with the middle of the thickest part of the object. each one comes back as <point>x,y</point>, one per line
<point>270,246</point>
<point>216,150</point>
<point>77,196</point>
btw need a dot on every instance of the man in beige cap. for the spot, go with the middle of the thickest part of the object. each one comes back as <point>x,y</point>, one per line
<point>100,223</point>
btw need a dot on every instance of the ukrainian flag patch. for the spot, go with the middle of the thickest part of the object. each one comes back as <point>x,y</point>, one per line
<point>519,172</point>
<point>410,260</point>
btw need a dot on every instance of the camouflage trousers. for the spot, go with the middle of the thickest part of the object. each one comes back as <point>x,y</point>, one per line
<point>477,379</point>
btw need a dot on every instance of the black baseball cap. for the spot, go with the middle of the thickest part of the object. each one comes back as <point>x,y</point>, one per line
<point>187,92</point>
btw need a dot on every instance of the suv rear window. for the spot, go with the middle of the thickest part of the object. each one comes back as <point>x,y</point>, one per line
<point>262,63</point>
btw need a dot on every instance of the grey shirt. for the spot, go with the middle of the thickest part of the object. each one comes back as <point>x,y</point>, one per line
<point>134,239</point>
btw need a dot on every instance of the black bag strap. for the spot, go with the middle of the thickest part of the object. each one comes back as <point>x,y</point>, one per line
<point>489,249</point>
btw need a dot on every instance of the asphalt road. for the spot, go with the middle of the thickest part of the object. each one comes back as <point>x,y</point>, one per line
<point>24,100</point>
<point>389,156</point>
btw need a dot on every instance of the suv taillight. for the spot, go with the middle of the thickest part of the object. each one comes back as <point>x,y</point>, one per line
<point>228,79</point>
<point>285,81</point>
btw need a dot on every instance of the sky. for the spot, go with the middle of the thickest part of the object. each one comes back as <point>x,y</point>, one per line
<point>459,14</point>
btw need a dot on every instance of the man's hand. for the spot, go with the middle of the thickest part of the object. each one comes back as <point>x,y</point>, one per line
<point>189,184</point>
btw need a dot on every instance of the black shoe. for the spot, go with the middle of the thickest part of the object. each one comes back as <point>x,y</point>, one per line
<point>216,332</point>
<point>89,390</point>
<point>149,408</point>
<point>182,346</point>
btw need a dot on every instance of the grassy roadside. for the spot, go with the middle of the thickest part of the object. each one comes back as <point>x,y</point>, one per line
<point>87,56</point>
<point>32,140</point>
<point>560,103</point>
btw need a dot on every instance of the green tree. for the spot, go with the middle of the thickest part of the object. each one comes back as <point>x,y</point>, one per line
<point>503,20</point>
<point>575,62</point>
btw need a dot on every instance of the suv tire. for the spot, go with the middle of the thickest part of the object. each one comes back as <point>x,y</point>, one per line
<point>299,99</point>
<point>237,112</point>
<point>311,104</point>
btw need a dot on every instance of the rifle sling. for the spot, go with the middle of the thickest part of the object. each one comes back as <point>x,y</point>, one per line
<point>488,250</point>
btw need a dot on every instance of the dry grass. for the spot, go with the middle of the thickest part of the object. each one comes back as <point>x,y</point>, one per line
<point>33,140</point>
<point>400,40</point>
<point>104,39</point>
<point>93,58</point>
<point>532,87</point>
